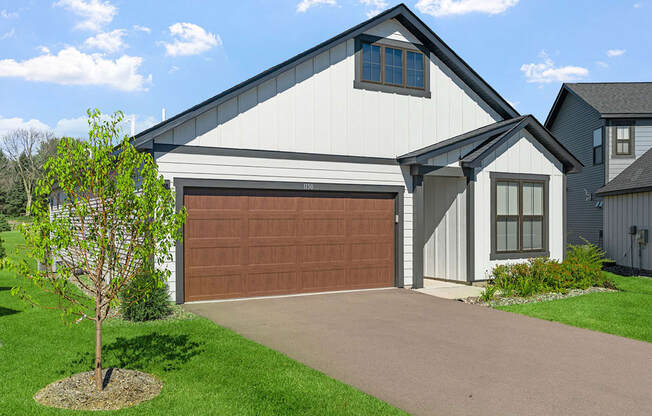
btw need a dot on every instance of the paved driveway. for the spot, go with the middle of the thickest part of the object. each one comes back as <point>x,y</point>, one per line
<point>434,356</point>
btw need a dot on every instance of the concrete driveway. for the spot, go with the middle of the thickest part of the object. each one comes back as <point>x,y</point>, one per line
<point>433,356</point>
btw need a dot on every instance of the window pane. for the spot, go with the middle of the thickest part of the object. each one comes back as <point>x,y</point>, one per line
<point>622,133</point>
<point>370,62</point>
<point>507,233</point>
<point>507,198</point>
<point>597,137</point>
<point>393,66</point>
<point>532,199</point>
<point>532,234</point>
<point>597,155</point>
<point>414,69</point>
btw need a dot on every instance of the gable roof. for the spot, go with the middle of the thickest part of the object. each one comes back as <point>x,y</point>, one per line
<point>492,136</point>
<point>610,99</point>
<point>636,177</point>
<point>402,14</point>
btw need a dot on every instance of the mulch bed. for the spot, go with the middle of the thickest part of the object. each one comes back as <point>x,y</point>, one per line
<point>504,301</point>
<point>122,388</point>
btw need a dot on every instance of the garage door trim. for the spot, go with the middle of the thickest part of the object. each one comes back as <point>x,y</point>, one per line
<point>309,187</point>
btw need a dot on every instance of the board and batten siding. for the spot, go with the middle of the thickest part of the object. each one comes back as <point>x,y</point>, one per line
<point>642,142</point>
<point>521,154</point>
<point>313,107</point>
<point>198,166</point>
<point>445,228</point>
<point>573,127</point>
<point>621,212</point>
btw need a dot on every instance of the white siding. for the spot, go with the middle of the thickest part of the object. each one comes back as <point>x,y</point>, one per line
<point>642,143</point>
<point>521,154</point>
<point>393,29</point>
<point>445,228</point>
<point>621,212</point>
<point>313,107</point>
<point>177,165</point>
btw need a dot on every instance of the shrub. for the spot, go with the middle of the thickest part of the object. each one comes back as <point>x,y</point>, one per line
<point>2,248</point>
<point>489,293</point>
<point>581,269</point>
<point>4,224</point>
<point>143,300</point>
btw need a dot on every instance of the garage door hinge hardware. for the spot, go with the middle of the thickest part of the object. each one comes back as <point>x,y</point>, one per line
<point>396,219</point>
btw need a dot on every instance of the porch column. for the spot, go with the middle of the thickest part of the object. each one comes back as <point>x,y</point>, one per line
<point>418,225</point>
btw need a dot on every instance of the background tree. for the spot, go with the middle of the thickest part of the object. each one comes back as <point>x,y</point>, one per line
<point>118,215</point>
<point>27,151</point>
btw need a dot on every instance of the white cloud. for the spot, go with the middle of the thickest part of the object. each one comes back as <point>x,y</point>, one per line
<point>546,72</point>
<point>637,5</point>
<point>109,42</point>
<point>78,126</point>
<point>440,8</point>
<point>139,28</point>
<point>44,49</point>
<point>173,69</point>
<point>8,124</point>
<point>72,67</point>
<point>304,5</point>
<point>615,52</point>
<point>95,13</point>
<point>602,64</point>
<point>377,6</point>
<point>190,39</point>
<point>8,35</point>
<point>8,15</point>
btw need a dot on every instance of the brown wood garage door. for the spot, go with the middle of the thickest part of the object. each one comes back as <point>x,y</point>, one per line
<point>241,243</point>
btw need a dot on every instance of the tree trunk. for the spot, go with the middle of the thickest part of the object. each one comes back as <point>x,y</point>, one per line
<point>28,205</point>
<point>98,352</point>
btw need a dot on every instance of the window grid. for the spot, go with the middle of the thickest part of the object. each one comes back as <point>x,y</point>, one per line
<point>623,136</point>
<point>598,147</point>
<point>368,48</point>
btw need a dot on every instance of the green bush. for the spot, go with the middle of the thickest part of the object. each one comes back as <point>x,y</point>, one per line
<point>4,224</point>
<point>143,300</point>
<point>581,269</point>
<point>2,248</point>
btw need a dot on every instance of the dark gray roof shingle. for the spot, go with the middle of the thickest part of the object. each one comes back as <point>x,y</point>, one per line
<point>637,177</point>
<point>616,97</point>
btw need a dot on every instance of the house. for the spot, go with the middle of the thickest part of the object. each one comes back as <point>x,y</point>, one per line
<point>377,158</point>
<point>607,126</point>
<point>628,215</point>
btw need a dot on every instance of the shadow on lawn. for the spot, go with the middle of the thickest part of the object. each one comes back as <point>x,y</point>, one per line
<point>7,311</point>
<point>146,352</point>
<point>4,288</point>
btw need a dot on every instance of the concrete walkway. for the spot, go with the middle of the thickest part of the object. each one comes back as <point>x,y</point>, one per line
<point>449,290</point>
<point>432,356</point>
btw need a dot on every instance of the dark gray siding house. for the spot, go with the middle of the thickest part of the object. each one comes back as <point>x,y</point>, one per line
<point>607,126</point>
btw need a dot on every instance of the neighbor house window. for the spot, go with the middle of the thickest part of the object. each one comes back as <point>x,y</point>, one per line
<point>623,137</point>
<point>519,216</point>
<point>391,66</point>
<point>598,153</point>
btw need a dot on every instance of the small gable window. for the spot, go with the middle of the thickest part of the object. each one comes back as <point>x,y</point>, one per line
<point>623,137</point>
<point>391,66</point>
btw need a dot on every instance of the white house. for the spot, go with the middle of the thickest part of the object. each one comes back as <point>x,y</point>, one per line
<point>377,158</point>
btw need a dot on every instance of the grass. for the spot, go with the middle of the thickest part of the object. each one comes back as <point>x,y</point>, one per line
<point>627,313</point>
<point>205,369</point>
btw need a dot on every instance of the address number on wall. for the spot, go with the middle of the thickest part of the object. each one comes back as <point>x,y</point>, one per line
<point>308,186</point>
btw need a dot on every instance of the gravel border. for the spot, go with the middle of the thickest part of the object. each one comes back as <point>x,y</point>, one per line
<point>543,297</point>
<point>122,388</point>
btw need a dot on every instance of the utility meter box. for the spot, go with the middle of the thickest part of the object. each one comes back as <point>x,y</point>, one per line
<point>642,237</point>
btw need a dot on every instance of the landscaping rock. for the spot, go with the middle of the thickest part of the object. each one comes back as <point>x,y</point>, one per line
<point>504,301</point>
<point>122,388</point>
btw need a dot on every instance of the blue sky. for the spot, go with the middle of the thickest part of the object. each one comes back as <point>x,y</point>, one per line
<point>59,57</point>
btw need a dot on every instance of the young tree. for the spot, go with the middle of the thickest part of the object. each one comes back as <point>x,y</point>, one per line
<point>118,217</point>
<point>22,148</point>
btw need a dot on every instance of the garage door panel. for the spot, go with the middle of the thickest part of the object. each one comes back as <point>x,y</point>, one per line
<point>255,243</point>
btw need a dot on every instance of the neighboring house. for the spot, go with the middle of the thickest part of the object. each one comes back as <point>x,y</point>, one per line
<point>606,126</point>
<point>627,204</point>
<point>374,159</point>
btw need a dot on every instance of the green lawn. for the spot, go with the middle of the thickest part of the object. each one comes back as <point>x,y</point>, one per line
<point>627,313</point>
<point>205,369</point>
